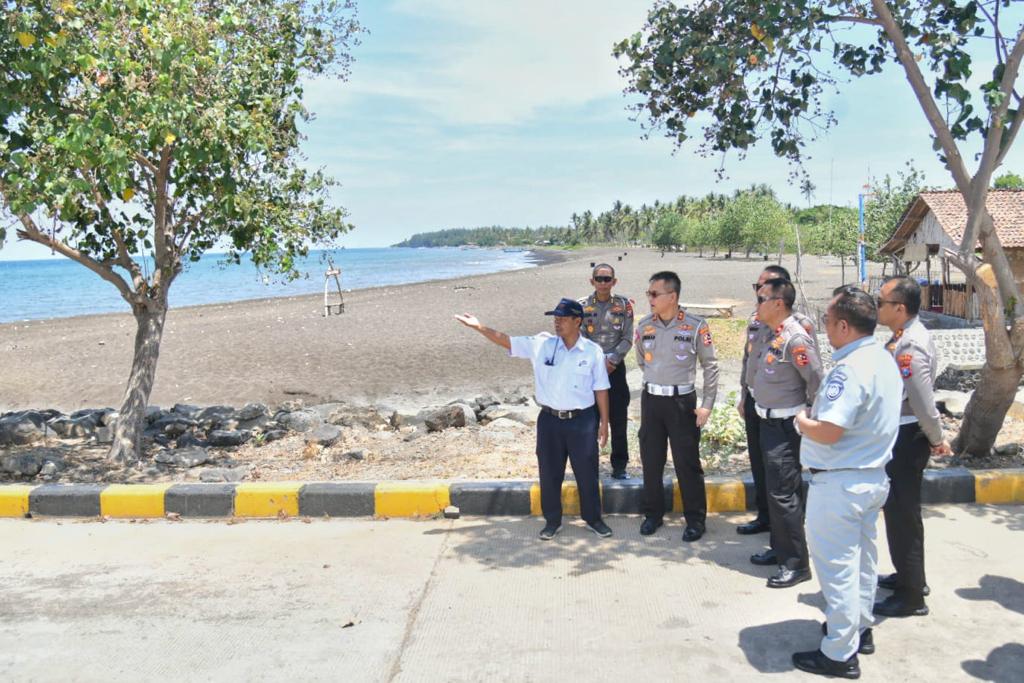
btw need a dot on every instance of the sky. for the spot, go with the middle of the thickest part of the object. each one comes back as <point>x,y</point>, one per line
<point>464,113</point>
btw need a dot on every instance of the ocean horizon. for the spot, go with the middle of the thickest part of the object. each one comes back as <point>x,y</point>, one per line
<point>59,288</point>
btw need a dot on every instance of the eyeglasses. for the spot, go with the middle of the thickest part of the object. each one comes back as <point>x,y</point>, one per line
<point>762,299</point>
<point>603,279</point>
<point>879,301</point>
<point>655,295</point>
<point>757,286</point>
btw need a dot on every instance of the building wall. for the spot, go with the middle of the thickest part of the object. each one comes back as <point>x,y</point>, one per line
<point>930,232</point>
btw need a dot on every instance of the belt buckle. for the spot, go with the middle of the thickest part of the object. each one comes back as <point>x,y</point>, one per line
<point>564,414</point>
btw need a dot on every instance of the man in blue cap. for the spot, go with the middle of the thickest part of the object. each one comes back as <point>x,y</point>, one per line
<point>570,378</point>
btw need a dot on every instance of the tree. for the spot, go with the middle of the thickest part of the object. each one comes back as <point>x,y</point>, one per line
<point>136,136</point>
<point>754,220</point>
<point>1009,181</point>
<point>886,205</point>
<point>760,68</point>
<point>668,230</point>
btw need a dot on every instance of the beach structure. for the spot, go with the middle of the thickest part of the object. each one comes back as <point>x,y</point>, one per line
<point>934,222</point>
<point>333,304</point>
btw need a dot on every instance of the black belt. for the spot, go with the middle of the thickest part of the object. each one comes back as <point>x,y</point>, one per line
<point>566,414</point>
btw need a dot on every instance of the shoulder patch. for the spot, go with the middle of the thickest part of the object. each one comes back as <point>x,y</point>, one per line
<point>681,315</point>
<point>800,356</point>
<point>903,361</point>
<point>834,388</point>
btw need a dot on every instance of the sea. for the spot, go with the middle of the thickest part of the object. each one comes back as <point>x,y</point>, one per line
<point>59,288</point>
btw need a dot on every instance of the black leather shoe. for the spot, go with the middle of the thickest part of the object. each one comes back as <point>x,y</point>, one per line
<point>692,533</point>
<point>815,662</point>
<point>892,582</point>
<point>867,640</point>
<point>754,526</point>
<point>894,606</point>
<point>789,577</point>
<point>650,525</point>
<point>618,473</point>
<point>766,559</point>
<point>549,531</point>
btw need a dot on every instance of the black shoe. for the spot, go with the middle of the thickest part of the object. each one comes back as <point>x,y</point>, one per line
<point>766,559</point>
<point>894,606</point>
<point>892,582</point>
<point>754,526</point>
<point>867,640</point>
<point>619,473</point>
<point>600,528</point>
<point>692,533</point>
<point>815,662</point>
<point>549,531</point>
<point>789,577</point>
<point>650,525</point>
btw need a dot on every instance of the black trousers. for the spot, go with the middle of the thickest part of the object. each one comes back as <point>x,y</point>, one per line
<point>902,511</point>
<point>780,446</point>
<point>618,399</point>
<point>575,439</point>
<point>671,420</point>
<point>753,425</point>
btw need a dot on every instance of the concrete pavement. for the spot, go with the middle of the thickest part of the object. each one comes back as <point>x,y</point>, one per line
<point>470,600</point>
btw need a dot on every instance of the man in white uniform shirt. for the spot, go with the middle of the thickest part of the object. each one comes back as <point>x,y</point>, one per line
<point>847,441</point>
<point>570,377</point>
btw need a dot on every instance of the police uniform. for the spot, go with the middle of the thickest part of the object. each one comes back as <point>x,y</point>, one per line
<point>758,336</point>
<point>849,485</point>
<point>610,325</point>
<point>564,383</point>
<point>668,353</point>
<point>920,428</point>
<point>786,378</point>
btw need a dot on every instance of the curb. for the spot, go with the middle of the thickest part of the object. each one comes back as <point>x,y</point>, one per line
<point>427,498</point>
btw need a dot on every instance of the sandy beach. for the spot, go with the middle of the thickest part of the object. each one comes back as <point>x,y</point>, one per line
<point>397,345</point>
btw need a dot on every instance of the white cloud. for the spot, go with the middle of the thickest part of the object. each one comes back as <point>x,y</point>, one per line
<point>507,60</point>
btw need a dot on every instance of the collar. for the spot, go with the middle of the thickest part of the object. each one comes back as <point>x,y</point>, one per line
<point>845,351</point>
<point>559,342</point>
<point>910,321</point>
<point>673,320</point>
<point>592,299</point>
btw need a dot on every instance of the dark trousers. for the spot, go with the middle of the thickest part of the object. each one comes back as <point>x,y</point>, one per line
<point>618,399</point>
<point>575,439</point>
<point>753,425</point>
<point>780,446</point>
<point>672,419</point>
<point>902,511</point>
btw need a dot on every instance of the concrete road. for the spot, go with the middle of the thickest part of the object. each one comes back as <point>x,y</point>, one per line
<point>472,600</point>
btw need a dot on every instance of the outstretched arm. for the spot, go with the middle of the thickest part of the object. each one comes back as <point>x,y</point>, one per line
<point>499,338</point>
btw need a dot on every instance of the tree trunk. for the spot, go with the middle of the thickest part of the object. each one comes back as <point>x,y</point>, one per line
<point>842,264</point>
<point>985,412</point>
<point>127,444</point>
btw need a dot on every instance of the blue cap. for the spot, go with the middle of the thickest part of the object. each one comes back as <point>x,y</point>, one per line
<point>567,308</point>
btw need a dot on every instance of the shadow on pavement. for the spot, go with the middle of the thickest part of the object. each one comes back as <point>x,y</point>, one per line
<point>1004,664</point>
<point>769,647</point>
<point>501,543</point>
<point>1007,592</point>
<point>1012,517</point>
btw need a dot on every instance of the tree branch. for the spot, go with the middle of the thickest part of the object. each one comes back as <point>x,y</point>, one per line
<point>124,258</point>
<point>851,19</point>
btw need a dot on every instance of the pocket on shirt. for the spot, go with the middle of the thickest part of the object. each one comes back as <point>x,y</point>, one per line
<point>581,378</point>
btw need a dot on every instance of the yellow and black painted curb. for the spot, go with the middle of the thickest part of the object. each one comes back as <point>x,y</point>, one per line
<point>425,498</point>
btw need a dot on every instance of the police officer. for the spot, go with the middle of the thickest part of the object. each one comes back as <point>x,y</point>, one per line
<point>785,381</point>
<point>669,342</point>
<point>758,335</point>
<point>847,441</point>
<point>608,321</point>
<point>920,436</point>
<point>570,377</point>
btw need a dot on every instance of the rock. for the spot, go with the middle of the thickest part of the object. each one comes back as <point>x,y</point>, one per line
<point>183,457</point>
<point>292,406</point>
<point>515,398</point>
<point>217,417</point>
<point>49,469</point>
<point>25,464</point>
<point>252,411</point>
<point>451,512</point>
<point>324,435</point>
<point>486,401</point>
<point>329,412</point>
<point>503,424</point>
<point>274,435</point>
<point>468,413</point>
<point>218,474</point>
<point>109,417</point>
<point>190,439</point>
<point>300,420</point>
<point>525,416</point>
<point>952,403</point>
<point>357,454</point>
<point>223,438</point>
<point>154,413</point>
<point>174,424</point>
<point>443,418</point>
<point>413,435</point>
<point>186,410</point>
<point>22,428</point>
<point>1008,449</point>
<point>69,427</point>
<point>104,435</point>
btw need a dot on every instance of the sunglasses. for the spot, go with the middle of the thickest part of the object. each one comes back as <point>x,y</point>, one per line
<point>655,295</point>
<point>879,302</point>
<point>762,299</point>
<point>603,279</point>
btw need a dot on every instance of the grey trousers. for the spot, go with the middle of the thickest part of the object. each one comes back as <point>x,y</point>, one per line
<point>842,521</point>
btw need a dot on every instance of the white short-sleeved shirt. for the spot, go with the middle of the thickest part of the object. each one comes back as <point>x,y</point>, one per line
<point>575,374</point>
<point>862,394</point>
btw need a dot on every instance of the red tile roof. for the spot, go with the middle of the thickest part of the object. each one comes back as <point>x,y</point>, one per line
<point>1005,206</point>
